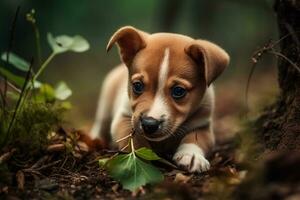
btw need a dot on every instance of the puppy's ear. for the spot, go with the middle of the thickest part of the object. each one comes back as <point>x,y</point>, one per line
<point>129,40</point>
<point>210,57</point>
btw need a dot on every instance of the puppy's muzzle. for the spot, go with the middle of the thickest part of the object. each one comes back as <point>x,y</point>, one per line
<point>150,125</point>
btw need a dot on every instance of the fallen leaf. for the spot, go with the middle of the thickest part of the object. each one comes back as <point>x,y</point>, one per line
<point>20,180</point>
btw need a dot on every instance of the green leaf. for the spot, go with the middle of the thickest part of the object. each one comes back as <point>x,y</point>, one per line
<point>65,105</point>
<point>62,91</point>
<point>18,80</point>
<point>47,93</point>
<point>147,154</point>
<point>79,44</point>
<point>132,172</point>
<point>16,61</point>
<point>65,43</point>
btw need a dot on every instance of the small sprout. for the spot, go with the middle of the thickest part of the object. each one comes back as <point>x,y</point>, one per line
<point>30,16</point>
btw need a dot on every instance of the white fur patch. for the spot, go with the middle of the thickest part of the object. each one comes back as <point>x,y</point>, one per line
<point>121,107</point>
<point>101,113</point>
<point>159,106</point>
<point>191,157</point>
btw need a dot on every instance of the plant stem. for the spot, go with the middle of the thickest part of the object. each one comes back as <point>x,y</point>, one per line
<point>38,44</point>
<point>132,145</point>
<point>41,69</point>
<point>44,65</point>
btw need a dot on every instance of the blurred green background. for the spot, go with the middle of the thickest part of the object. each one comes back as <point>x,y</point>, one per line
<point>240,27</point>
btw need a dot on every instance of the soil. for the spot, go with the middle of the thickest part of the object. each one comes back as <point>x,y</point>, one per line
<point>71,171</point>
<point>60,173</point>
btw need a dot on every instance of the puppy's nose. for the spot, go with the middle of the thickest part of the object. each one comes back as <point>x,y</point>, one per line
<point>149,124</point>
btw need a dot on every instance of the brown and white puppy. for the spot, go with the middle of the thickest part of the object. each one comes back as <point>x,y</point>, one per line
<point>163,92</point>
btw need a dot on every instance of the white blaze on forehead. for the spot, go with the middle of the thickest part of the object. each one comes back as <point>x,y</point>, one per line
<point>159,106</point>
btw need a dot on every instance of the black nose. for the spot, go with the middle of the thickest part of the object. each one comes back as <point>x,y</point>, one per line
<point>149,124</point>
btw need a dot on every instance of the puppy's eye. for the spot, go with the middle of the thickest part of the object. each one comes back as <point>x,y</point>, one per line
<point>138,87</point>
<point>178,92</point>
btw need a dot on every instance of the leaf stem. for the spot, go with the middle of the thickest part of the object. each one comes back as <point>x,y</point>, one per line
<point>44,65</point>
<point>132,146</point>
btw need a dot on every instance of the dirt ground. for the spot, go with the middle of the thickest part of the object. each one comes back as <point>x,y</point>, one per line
<point>58,174</point>
<point>68,169</point>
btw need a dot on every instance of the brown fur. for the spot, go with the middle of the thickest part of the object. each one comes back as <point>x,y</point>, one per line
<point>193,64</point>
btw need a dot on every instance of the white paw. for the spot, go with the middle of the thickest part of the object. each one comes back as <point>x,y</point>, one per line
<point>191,158</point>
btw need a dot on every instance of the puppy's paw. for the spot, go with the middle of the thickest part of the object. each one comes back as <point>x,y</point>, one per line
<point>191,158</point>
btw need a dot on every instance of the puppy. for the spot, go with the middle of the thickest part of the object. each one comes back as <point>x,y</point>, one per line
<point>163,92</point>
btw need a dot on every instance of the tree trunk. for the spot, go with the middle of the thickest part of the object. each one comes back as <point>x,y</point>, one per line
<point>279,126</point>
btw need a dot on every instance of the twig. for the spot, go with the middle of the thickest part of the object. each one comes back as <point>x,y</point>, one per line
<point>293,34</point>
<point>117,153</point>
<point>286,58</point>
<point>248,84</point>
<point>64,162</point>
<point>13,87</point>
<point>124,138</point>
<point>6,156</point>
<point>257,55</point>
<point>48,165</point>
<point>56,147</point>
<point>32,169</point>
<point>124,148</point>
<point>40,162</point>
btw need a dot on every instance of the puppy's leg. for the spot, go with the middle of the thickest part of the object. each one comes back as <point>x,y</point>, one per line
<point>120,128</point>
<point>101,126</point>
<point>193,148</point>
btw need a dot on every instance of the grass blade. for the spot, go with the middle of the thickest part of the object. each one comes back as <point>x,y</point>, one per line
<point>18,104</point>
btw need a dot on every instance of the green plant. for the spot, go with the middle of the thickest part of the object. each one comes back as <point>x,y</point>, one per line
<point>29,107</point>
<point>131,170</point>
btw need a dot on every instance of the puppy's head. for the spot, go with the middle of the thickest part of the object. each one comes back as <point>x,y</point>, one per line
<point>168,76</point>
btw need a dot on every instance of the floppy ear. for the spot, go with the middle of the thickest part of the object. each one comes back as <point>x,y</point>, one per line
<point>210,57</point>
<point>129,40</point>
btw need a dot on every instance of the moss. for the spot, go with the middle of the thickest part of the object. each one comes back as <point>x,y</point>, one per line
<point>32,125</point>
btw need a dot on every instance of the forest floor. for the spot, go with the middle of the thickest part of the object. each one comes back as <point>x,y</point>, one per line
<point>77,175</point>
<point>68,167</point>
